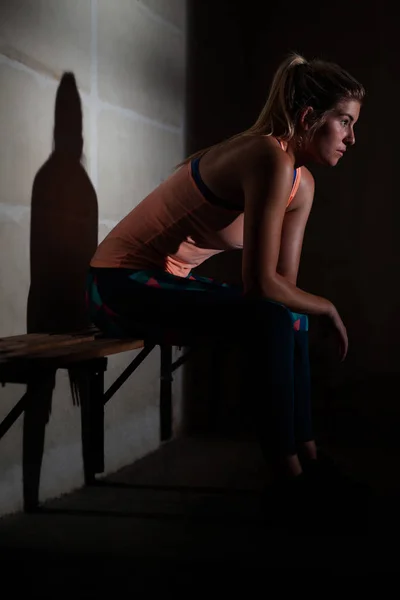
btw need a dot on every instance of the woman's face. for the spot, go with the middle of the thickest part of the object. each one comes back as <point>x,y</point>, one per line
<point>332,139</point>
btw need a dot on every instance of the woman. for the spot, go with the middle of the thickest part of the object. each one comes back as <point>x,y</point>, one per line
<point>251,191</point>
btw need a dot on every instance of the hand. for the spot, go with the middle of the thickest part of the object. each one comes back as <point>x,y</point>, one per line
<point>341,331</point>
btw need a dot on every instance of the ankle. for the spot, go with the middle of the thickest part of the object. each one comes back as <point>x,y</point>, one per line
<point>287,467</point>
<point>308,451</point>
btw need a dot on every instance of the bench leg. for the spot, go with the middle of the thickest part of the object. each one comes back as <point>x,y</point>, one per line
<point>36,417</point>
<point>92,420</point>
<point>166,393</point>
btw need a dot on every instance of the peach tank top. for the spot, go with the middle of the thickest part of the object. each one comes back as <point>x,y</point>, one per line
<point>175,228</point>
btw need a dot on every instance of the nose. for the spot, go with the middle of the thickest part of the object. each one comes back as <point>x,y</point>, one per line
<point>350,139</point>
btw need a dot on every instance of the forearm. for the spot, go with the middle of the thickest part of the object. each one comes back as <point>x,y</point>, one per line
<point>280,289</point>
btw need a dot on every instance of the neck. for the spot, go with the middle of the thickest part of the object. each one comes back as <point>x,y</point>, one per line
<point>297,153</point>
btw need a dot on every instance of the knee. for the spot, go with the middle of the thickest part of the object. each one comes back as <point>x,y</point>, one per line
<point>281,314</point>
<point>300,321</point>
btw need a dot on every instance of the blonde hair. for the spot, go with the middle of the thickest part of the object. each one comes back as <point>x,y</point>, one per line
<point>298,83</point>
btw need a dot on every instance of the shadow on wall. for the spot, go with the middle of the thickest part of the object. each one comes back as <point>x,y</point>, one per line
<point>63,238</point>
<point>64,224</point>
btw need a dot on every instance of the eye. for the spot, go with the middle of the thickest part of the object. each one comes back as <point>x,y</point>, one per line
<point>344,122</point>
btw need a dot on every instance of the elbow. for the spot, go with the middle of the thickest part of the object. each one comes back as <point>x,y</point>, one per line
<point>270,289</point>
<point>265,287</point>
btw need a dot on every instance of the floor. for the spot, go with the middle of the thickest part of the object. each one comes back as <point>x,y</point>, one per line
<point>201,507</point>
<point>194,506</point>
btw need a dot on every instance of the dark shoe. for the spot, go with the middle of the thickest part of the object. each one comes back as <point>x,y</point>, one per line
<point>322,466</point>
<point>325,472</point>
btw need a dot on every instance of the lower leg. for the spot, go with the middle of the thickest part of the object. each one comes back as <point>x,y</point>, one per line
<point>269,365</point>
<point>306,445</point>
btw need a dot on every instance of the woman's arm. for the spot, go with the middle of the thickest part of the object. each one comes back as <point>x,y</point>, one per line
<point>294,225</point>
<point>267,175</point>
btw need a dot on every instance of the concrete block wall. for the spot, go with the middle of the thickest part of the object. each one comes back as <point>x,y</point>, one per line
<point>128,58</point>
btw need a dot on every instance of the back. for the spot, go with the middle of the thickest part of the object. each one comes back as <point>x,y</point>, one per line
<point>177,226</point>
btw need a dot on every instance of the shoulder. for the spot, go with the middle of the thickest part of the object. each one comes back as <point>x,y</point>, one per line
<point>307,182</point>
<point>262,149</point>
<point>262,158</point>
<point>247,165</point>
<point>304,196</point>
<point>305,193</point>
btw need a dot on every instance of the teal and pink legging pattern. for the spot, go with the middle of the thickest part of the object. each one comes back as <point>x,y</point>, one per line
<point>170,309</point>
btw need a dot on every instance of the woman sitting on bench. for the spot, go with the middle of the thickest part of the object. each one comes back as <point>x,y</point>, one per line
<point>252,191</point>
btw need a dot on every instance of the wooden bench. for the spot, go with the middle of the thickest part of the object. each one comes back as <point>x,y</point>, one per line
<point>33,359</point>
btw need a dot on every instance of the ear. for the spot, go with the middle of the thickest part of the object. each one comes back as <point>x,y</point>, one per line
<point>305,118</point>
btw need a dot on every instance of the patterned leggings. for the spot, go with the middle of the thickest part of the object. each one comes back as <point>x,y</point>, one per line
<point>170,309</point>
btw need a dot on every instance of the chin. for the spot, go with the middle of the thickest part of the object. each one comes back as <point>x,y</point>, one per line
<point>329,161</point>
<point>326,162</point>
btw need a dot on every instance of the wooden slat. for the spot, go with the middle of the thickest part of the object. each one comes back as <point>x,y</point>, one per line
<point>93,349</point>
<point>27,338</point>
<point>15,346</point>
<point>61,356</point>
<point>55,342</point>
<point>22,339</point>
<point>21,355</point>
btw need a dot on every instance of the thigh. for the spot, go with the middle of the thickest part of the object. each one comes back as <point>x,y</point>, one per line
<point>148,302</point>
